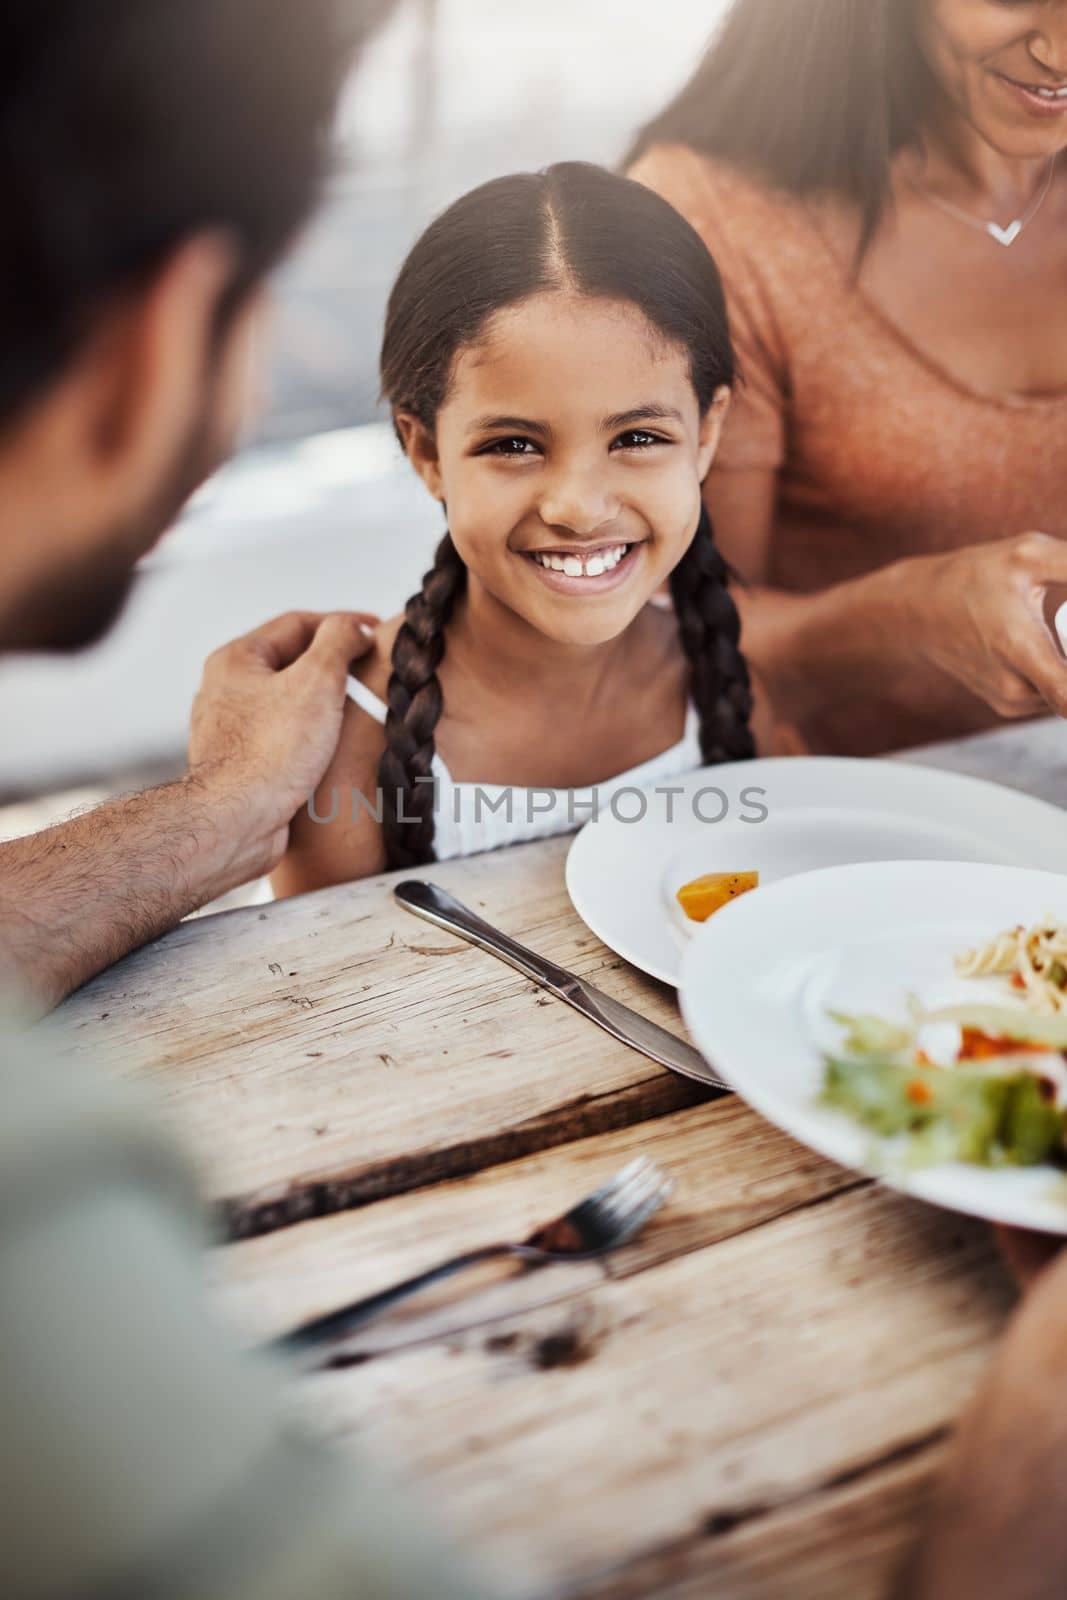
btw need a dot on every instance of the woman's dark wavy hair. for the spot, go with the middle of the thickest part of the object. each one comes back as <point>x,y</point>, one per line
<point>812,95</point>
<point>578,227</point>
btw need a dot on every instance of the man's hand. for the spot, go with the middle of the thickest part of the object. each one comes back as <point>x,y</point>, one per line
<point>267,719</point>
<point>266,722</point>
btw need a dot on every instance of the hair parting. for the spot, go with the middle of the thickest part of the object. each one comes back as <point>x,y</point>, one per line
<point>582,229</point>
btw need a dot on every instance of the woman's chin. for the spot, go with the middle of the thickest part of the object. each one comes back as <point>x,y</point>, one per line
<point>1024,144</point>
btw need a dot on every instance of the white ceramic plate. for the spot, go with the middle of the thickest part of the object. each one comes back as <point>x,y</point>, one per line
<point>820,811</point>
<point>759,977</point>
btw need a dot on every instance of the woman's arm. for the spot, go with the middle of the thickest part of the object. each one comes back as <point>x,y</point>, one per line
<point>803,648</point>
<point>974,614</point>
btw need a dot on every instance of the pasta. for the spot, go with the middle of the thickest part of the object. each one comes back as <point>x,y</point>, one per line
<point>994,1090</point>
<point>1034,958</point>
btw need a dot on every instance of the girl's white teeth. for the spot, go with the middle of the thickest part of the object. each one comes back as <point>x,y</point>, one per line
<point>574,567</point>
<point>1050,94</point>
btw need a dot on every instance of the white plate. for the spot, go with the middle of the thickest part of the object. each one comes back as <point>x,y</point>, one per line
<point>760,976</point>
<point>821,811</point>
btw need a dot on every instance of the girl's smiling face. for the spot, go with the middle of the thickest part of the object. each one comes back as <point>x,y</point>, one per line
<point>570,452</point>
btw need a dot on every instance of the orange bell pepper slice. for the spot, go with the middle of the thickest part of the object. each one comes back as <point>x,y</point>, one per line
<point>704,896</point>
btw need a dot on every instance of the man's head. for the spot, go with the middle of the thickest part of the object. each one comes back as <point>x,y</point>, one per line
<point>156,159</point>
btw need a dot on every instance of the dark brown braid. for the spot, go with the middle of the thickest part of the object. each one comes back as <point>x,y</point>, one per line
<point>415,702</point>
<point>710,629</point>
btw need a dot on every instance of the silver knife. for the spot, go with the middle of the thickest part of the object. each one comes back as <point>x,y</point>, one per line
<point>436,905</point>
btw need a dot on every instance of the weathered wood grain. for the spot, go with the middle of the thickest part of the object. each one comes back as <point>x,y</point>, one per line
<point>747,1403</point>
<point>849,1541</point>
<point>688,1402</point>
<point>731,1172</point>
<point>331,1049</point>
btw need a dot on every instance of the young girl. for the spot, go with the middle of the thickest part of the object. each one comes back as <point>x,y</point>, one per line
<point>558,363</point>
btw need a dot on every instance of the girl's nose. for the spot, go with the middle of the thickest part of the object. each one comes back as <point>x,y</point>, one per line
<point>579,507</point>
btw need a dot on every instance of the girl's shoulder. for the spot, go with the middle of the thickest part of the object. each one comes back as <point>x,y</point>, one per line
<point>368,686</point>
<point>374,669</point>
<point>335,837</point>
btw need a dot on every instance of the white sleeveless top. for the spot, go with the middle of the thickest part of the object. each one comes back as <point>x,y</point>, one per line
<point>471,817</point>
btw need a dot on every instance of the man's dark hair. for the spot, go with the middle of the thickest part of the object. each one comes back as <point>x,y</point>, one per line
<point>128,126</point>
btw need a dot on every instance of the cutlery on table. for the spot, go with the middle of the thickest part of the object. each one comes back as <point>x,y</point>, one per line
<point>609,1217</point>
<point>436,905</point>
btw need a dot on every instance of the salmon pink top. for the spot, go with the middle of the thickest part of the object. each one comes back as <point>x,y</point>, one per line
<point>880,451</point>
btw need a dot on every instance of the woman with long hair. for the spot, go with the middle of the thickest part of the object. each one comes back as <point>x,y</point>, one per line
<point>879,183</point>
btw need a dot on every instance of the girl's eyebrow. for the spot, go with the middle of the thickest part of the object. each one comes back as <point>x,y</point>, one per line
<point>514,424</point>
<point>625,419</point>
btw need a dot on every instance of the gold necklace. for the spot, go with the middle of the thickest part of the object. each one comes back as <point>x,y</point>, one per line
<point>1005,236</point>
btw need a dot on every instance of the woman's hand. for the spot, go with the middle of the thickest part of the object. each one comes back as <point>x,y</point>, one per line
<point>973,616</point>
<point>978,614</point>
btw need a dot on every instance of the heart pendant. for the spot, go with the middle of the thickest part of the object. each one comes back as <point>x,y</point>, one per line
<point>1005,236</point>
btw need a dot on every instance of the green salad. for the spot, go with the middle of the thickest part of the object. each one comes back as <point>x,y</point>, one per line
<point>1001,1102</point>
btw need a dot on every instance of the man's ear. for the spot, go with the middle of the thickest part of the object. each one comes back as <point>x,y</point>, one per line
<point>150,365</point>
<point>102,443</point>
<point>711,425</point>
<point>420,447</point>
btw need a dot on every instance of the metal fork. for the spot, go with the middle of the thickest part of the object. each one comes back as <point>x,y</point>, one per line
<point>600,1223</point>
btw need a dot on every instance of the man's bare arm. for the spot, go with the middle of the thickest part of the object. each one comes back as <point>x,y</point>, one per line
<point>266,722</point>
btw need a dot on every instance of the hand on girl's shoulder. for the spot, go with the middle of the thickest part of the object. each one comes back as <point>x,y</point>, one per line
<point>362,738</point>
<point>374,668</point>
<point>335,837</point>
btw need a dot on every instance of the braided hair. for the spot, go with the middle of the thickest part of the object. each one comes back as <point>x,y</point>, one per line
<point>581,228</point>
<point>405,772</point>
<point>710,630</point>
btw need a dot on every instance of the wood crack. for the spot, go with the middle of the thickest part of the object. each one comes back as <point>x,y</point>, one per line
<point>722,1522</point>
<point>247,1217</point>
<point>476,1317</point>
<point>646,1572</point>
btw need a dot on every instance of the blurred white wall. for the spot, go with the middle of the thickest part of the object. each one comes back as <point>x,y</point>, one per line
<point>321,512</point>
<point>454,92</point>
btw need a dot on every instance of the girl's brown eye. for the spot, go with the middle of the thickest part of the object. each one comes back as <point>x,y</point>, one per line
<point>510,447</point>
<point>638,439</point>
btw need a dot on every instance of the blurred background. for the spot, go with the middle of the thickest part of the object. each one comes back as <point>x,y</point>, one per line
<point>319,511</point>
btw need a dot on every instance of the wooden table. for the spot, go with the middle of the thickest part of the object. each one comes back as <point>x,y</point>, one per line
<point>750,1401</point>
